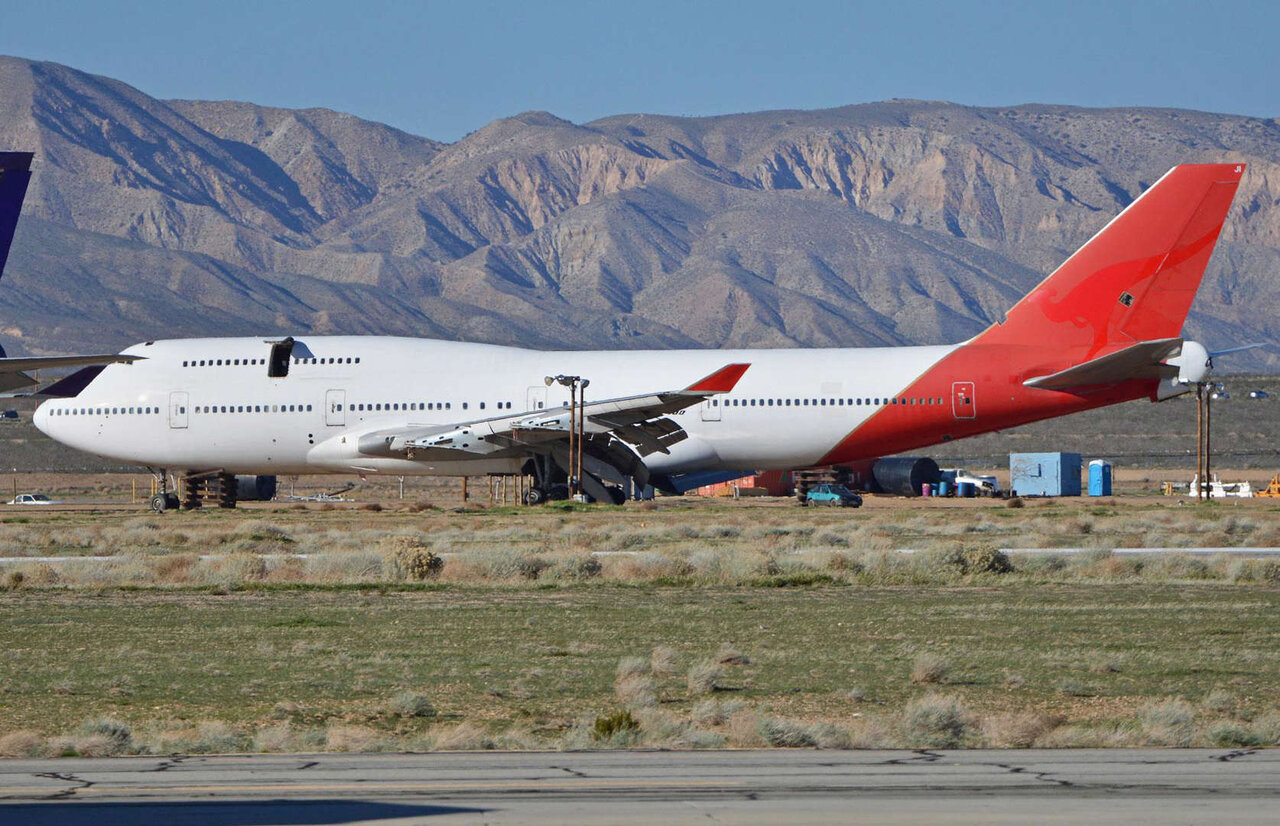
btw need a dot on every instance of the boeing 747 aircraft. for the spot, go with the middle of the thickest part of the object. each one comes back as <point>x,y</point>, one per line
<point>1104,328</point>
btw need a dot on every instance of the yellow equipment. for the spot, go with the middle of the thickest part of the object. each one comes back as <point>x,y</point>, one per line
<point>1272,488</point>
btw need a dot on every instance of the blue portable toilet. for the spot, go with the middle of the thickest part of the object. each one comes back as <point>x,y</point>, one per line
<point>1044,474</point>
<point>1099,478</point>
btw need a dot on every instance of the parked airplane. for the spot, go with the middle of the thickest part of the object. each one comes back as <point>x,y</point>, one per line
<point>15,173</point>
<point>1103,328</point>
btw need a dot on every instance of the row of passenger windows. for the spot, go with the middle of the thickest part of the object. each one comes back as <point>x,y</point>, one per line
<point>264,408</point>
<point>251,408</point>
<point>106,411</point>
<point>870,402</point>
<point>251,362</point>
<point>363,407</point>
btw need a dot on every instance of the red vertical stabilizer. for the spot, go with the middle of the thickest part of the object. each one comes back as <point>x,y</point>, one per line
<point>1133,281</point>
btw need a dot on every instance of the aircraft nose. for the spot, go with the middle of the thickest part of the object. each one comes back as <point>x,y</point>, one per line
<point>41,419</point>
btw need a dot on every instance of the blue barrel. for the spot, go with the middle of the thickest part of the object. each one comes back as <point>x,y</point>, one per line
<point>944,488</point>
<point>1099,478</point>
<point>964,490</point>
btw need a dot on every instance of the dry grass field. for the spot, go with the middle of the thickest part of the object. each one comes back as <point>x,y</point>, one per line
<point>685,623</point>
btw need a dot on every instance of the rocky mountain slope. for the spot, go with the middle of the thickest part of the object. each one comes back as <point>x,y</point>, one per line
<point>889,223</point>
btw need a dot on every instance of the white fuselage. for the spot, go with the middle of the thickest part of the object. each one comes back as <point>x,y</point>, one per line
<point>209,403</point>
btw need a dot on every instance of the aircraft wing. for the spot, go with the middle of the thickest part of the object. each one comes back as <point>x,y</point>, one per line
<point>13,370</point>
<point>641,421</point>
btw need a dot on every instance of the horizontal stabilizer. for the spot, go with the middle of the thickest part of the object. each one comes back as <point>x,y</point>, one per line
<point>1144,360</point>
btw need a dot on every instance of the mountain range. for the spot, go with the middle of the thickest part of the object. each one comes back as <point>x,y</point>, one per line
<point>902,222</point>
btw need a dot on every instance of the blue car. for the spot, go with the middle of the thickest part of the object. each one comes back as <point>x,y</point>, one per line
<point>830,494</point>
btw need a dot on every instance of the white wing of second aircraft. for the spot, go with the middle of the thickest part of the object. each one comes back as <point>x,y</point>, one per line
<point>13,371</point>
<point>641,421</point>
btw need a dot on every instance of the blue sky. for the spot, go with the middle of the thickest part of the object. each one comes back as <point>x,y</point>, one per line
<point>443,69</point>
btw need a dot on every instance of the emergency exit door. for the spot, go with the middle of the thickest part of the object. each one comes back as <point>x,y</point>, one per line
<point>962,406</point>
<point>335,408</point>
<point>178,410</point>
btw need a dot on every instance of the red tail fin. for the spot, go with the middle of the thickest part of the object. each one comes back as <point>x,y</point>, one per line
<point>1135,280</point>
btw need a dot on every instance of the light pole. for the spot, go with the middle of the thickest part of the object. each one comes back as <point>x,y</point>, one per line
<point>1199,440</point>
<point>582,428</point>
<point>577,425</point>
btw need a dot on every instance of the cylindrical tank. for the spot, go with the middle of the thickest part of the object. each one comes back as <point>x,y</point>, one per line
<point>964,490</point>
<point>904,475</point>
<point>944,488</point>
<point>926,490</point>
<point>255,488</point>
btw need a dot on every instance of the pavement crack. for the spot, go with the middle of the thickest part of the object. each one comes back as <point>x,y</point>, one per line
<point>921,756</point>
<point>568,770</point>
<point>310,764</point>
<point>68,792</point>
<point>170,762</point>
<point>1233,755</point>
<point>1044,776</point>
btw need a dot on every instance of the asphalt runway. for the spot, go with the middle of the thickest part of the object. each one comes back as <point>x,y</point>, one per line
<point>768,787</point>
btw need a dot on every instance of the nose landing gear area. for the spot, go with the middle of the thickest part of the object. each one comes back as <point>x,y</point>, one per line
<point>162,502</point>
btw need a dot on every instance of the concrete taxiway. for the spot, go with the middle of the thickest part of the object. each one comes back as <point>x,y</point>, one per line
<point>1068,786</point>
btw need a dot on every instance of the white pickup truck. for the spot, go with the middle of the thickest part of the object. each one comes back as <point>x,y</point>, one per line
<point>984,485</point>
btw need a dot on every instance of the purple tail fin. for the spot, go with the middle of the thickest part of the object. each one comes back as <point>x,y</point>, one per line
<point>15,172</point>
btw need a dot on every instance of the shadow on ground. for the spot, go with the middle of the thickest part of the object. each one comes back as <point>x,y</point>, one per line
<point>232,813</point>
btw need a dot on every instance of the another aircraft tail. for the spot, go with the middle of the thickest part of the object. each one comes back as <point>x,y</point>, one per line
<point>15,173</point>
<point>1135,280</point>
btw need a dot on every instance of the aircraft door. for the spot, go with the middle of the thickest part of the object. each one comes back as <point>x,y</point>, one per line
<point>335,408</point>
<point>711,409</point>
<point>536,398</point>
<point>962,406</point>
<point>178,410</point>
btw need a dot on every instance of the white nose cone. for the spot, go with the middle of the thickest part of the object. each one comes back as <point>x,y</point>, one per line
<point>1192,363</point>
<point>41,419</point>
